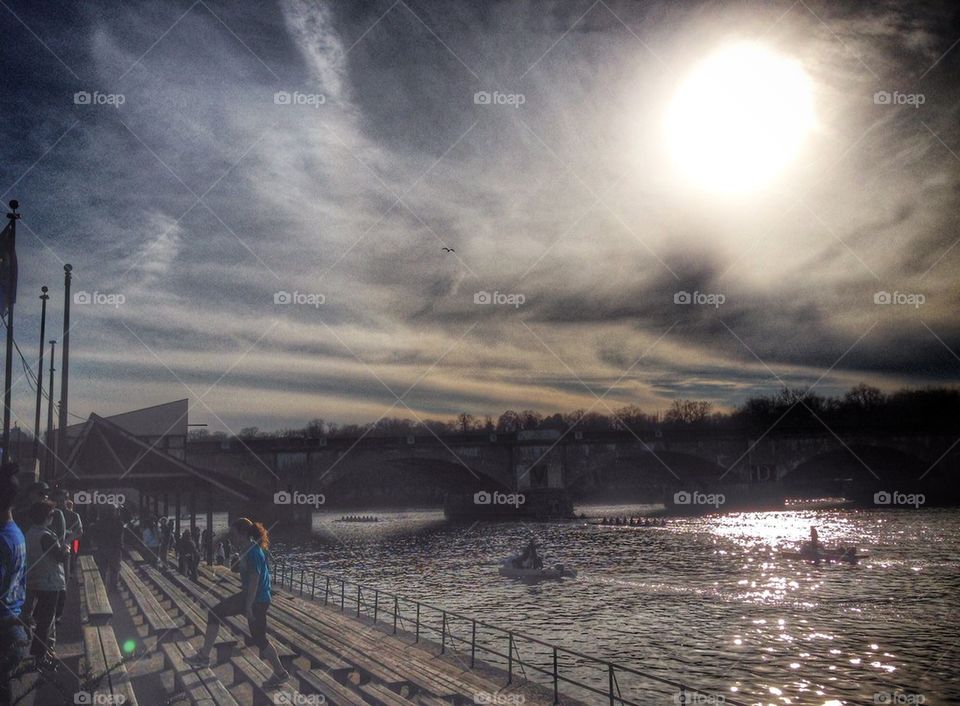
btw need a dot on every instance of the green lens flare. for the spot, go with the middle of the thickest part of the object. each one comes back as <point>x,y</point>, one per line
<point>129,646</point>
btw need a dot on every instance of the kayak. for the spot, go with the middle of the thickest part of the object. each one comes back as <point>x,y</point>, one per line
<point>557,572</point>
<point>827,555</point>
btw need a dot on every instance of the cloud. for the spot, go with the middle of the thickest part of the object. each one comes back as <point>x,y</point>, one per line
<point>202,196</point>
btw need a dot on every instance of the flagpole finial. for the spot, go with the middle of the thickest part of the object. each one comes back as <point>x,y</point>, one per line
<point>14,205</point>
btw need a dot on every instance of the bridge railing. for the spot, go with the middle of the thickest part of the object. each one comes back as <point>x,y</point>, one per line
<point>466,637</point>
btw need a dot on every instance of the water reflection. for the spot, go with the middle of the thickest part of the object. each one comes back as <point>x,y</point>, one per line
<point>708,599</point>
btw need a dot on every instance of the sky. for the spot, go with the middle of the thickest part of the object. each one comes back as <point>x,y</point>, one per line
<point>256,198</point>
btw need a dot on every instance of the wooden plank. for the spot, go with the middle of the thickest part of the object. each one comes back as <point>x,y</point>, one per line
<point>184,675</point>
<point>93,651</point>
<point>119,679</point>
<point>315,681</point>
<point>469,682</point>
<point>359,654</point>
<point>200,683</point>
<point>380,695</point>
<point>135,556</point>
<point>256,671</point>
<point>158,620</point>
<point>96,603</point>
<point>434,701</point>
<point>188,608</point>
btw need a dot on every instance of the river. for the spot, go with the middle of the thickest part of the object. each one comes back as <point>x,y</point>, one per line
<point>707,601</point>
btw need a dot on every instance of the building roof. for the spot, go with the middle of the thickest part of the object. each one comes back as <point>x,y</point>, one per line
<point>166,419</point>
<point>105,455</point>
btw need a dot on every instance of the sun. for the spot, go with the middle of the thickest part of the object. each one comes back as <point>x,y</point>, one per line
<point>739,118</point>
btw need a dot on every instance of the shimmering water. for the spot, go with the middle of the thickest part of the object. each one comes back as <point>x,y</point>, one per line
<point>707,601</point>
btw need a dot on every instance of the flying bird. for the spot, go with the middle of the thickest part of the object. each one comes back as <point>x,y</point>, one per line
<point>448,250</point>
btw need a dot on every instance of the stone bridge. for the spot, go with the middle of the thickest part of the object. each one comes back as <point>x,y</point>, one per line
<point>578,460</point>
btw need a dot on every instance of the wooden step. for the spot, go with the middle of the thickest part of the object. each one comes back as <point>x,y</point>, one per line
<point>315,681</point>
<point>200,683</point>
<point>379,695</point>
<point>157,619</point>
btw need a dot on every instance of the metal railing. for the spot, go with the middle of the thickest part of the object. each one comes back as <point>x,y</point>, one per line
<point>504,646</point>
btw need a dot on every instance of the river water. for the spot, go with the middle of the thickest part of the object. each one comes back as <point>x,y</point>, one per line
<point>706,601</point>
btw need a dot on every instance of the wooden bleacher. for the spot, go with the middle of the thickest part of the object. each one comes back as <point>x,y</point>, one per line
<point>154,615</point>
<point>101,653</point>
<point>377,656</point>
<point>95,602</point>
<point>200,684</point>
<point>348,662</point>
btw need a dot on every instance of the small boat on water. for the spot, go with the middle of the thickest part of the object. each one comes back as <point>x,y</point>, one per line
<point>558,571</point>
<point>849,555</point>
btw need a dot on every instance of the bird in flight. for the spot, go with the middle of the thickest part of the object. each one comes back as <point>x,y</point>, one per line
<point>448,250</point>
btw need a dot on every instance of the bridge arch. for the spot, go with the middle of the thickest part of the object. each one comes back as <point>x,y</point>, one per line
<point>404,481</point>
<point>856,470</point>
<point>647,474</point>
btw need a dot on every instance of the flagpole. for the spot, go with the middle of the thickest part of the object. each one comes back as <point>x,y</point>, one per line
<point>48,453</point>
<point>43,329</point>
<point>64,368</point>
<point>11,294</point>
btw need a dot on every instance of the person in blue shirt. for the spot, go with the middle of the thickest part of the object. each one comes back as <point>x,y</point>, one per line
<point>253,600</point>
<point>13,586</point>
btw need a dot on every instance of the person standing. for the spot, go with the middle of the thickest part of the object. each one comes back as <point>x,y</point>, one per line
<point>73,531</point>
<point>109,536</point>
<point>13,563</point>
<point>206,541</point>
<point>45,579</point>
<point>165,525</point>
<point>188,555</point>
<point>151,540</point>
<point>253,600</point>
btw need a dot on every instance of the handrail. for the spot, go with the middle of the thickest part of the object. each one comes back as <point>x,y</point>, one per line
<point>283,575</point>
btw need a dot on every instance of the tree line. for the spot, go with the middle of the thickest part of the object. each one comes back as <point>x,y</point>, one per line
<point>863,407</point>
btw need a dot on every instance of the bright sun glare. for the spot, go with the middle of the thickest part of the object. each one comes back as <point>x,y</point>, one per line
<point>739,118</point>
